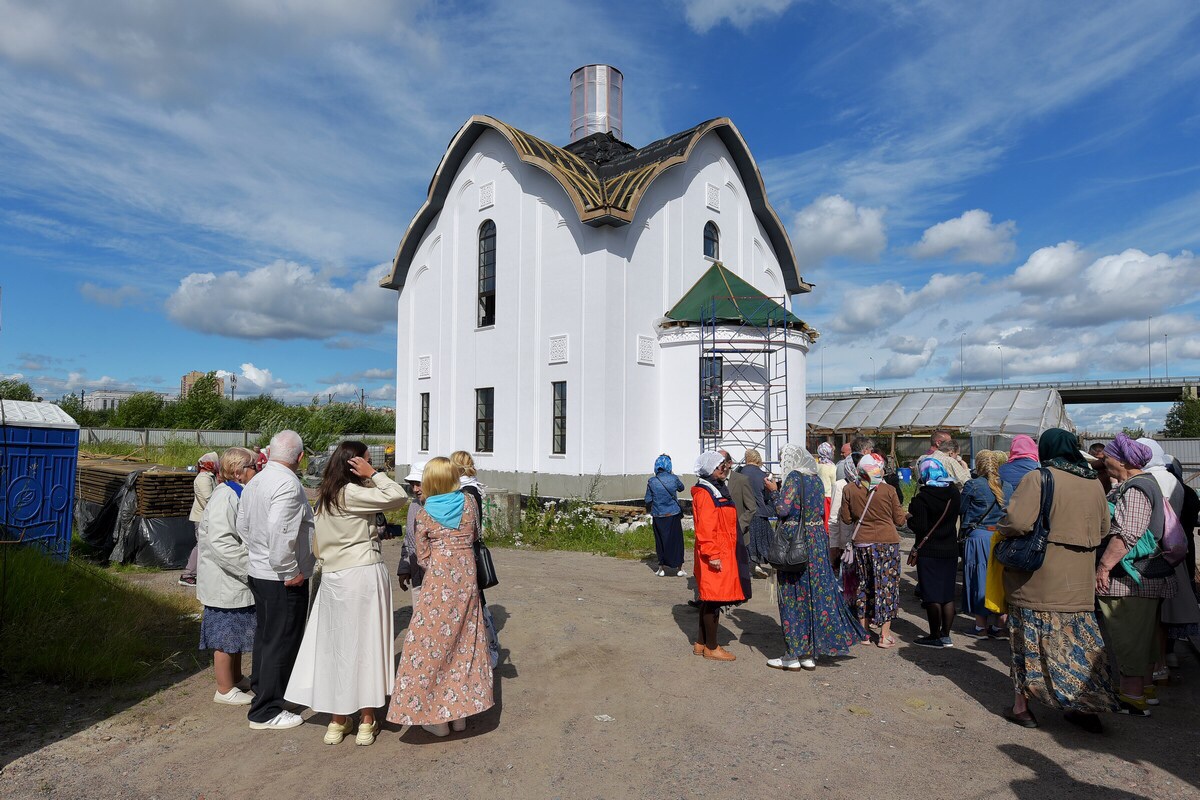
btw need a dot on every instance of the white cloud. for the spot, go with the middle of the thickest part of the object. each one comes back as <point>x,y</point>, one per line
<point>703,15</point>
<point>283,300</point>
<point>833,226</point>
<point>973,238</point>
<point>1049,269</point>
<point>114,296</point>
<point>905,365</point>
<point>386,392</point>
<point>871,308</point>
<point>1125,286</point>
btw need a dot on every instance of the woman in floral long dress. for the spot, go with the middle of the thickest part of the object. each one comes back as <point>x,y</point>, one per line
<point>815,617</point>
<point>445,674</point>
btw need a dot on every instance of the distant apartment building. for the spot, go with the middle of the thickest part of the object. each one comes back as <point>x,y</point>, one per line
<point>111,399</point>
<point>188,381</point>
<point>105,399</point>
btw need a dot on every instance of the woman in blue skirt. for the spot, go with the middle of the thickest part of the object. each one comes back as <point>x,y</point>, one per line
<point>816,620</point>
<point>982,506</point>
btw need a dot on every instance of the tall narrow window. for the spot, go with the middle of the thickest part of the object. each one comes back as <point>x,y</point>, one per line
<point>558,427</point>
<point>712,241</point>
<point>485,421</point>
<point>424,421</point>
<point>487,274</point>
<point>711,369</point>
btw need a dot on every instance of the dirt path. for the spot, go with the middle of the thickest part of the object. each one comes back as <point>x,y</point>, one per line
<point>602,698</point>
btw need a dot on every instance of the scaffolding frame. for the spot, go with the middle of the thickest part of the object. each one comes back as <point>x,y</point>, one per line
<point>744,375</point>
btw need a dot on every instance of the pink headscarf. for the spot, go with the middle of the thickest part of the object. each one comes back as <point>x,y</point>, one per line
<point>1023,447</point>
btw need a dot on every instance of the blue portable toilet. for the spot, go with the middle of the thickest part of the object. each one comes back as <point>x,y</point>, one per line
<point>39,450</point>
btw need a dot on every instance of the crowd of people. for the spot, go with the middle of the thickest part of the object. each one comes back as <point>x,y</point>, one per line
<point>1091,617</point>
<point>1091,623</point>
<point>304,588</point>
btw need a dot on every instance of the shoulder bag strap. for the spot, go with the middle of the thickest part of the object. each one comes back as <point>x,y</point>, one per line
<point>870,496</point>
<point>945,511</point>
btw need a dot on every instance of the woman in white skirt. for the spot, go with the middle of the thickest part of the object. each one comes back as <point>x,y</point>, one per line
<point>346,659</point>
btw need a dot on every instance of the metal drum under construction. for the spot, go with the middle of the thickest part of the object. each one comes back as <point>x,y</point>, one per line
<point>596,101</point>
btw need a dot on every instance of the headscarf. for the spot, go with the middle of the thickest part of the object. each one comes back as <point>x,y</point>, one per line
<point>933,473</point>
<point>824,453</point>
<point>1023,447</point>
<point>209,462</point>
<point>708,461</point>
<point>1175,468</point>
<point>794,458</point>
<point>987,466</point>
<point>662,464</point>
<point>1059,448</point>
<point>1158,458</point>
<point>870,471</point>
<point>1128,450</point>
<point>446,508</point>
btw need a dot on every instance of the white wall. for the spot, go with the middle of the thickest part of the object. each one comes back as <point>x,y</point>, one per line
<point>599,287</point>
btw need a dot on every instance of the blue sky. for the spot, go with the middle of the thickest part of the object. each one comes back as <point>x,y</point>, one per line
<point>219,185</point>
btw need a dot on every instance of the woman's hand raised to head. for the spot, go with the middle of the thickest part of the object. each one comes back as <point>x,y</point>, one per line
<point>361,467</point>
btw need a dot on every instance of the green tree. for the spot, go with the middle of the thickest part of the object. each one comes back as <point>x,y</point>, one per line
<point>13,389</point>
<point>202,406</point>
<point>1183,420</point>
<point>142,410</point>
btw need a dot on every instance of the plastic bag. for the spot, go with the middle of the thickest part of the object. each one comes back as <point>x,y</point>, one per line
<point>995,599</point>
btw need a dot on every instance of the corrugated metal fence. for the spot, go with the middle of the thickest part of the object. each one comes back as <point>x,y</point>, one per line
<point>156,437</point>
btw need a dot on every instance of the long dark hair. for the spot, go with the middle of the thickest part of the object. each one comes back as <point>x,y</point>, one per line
<point>338,474</point>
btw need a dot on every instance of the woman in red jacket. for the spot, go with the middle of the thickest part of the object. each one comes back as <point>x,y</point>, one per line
<point>715,552</point>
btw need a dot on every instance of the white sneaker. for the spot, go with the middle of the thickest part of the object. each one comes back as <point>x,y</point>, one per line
<point>661,572</point>
<point>784,662</point>
<point>234,697</point>
<point>441,729</point>
<point>808,663</point>
<point>459,725</point>
<point>281,721</point>
<point>680,574</point>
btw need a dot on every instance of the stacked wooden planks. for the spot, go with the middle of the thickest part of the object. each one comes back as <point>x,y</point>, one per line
<point>161,491</point>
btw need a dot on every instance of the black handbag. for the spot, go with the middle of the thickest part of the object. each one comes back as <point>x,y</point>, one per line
<point>485,570</point>
<point>1026,553</point>
<point>788,553</point>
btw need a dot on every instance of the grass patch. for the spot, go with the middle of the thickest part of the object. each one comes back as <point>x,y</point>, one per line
<point>571,525</point>
<point>171,454</point>
<point>72,623</point>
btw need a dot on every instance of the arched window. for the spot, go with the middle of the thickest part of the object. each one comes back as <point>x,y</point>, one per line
<point>712,241</point>
<point>487,274</point>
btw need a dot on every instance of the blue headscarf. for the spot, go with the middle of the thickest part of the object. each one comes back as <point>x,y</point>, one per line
<point>662,464</point>
<point>933,473</point>
<point>447,508</point>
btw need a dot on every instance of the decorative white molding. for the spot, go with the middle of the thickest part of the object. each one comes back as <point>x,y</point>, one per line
<point>645,350</point>
<point>424,367</point>
<point>712,197</point>
<point>558,349</point>
<point>487,195</point>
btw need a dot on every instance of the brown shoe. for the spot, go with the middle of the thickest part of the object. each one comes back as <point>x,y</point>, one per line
<point>719,653</point>
<point>697,649</point>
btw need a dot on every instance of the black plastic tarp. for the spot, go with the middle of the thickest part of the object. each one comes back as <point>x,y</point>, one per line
<point>114,530</point>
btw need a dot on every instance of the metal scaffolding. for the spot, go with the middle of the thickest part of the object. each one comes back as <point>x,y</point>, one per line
<point>744,374</point>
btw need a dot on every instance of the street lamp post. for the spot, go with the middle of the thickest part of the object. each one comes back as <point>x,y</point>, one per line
<point>1149,374</point>
<point>233,387</point>
<point>960,360</point>
<point>1166,363</point>
<point>873,383</point>
<point>1001,349</point>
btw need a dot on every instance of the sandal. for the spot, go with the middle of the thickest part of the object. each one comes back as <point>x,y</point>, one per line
<point>886,642</point>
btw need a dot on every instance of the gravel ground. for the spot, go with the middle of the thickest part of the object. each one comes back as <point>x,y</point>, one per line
<point>601,697</point>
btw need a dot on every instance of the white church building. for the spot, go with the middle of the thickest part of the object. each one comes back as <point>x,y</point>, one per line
<point>568,312</point>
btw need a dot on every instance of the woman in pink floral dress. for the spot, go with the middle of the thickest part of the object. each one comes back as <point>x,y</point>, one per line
<point>445,675</point>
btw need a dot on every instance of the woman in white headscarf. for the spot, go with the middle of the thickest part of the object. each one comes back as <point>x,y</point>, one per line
<point>815,618</point>
<point>872,510</point>
<point>715,558</point>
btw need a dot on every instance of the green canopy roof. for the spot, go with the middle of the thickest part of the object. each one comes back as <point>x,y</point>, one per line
<point>736,302</point>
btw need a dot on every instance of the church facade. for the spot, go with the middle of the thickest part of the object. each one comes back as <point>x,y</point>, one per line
<point>534,289</point>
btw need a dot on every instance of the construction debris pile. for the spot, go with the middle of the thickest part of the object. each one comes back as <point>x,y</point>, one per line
<point>137,513</point>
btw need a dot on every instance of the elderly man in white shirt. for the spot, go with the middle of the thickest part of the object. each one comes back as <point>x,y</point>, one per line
<point>276,523</point>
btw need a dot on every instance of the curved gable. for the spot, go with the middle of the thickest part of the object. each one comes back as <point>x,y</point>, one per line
<point>604,192</point>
